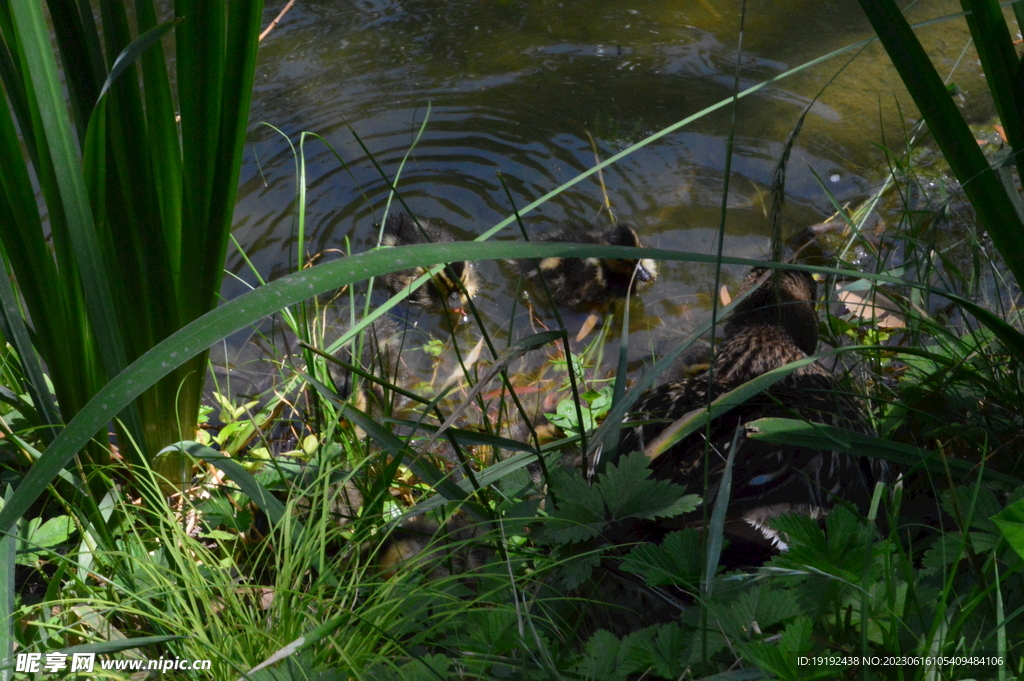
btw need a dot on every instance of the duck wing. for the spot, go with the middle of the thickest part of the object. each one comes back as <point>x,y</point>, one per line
<point>777,477</point>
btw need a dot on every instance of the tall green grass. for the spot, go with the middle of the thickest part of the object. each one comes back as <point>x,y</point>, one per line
<point>138,180</point>
<point>842,592</point>
<point>991,190</point>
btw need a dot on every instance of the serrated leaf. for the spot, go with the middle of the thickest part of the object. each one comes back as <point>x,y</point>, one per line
<point>601,659</point>
<point>492,629</point>
<point>635,650</point>
<point>977,503</point>
<point>659,648</point>
<point>839,551</point>
<point>677,560</point>
<point>780,659</point>
<point>796,637</point>
<point>580,513</point>
<point>758,609</point>
<point>766,607</point>
<point>629,491</point>
<point>806,540</point>
<point>577,569</point>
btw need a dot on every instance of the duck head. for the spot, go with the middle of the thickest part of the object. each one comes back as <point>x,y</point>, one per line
<point>785,299</point>
<point>446,284</point>
<point>645,268</point>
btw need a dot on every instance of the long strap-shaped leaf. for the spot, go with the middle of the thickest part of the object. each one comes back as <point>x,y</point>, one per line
<point>43,70</point>
<point>74,200</point>
<point>1002,68</point>
<point>832,438</point>
<point>253,306</point>
<point>947,125</point>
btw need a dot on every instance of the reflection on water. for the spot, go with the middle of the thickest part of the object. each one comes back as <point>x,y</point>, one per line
<point>533,89</point>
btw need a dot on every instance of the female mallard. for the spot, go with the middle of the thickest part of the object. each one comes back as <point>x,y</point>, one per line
<point>443,288</point>
<point>579,282</point>
<point>773,326</point>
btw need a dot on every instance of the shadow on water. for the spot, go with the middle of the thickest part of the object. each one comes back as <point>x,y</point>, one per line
<point>520,87</point>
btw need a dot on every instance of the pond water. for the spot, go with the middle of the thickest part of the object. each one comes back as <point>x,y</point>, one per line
<point>537,90</point>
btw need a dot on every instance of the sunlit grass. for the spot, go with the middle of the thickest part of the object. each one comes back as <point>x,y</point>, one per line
<point>256,552</point>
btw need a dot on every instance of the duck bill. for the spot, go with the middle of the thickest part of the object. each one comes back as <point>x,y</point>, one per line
<point>643,274</point>
<point>457,308</point>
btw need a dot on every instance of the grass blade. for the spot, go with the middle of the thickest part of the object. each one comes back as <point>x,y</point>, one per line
<point>248,308</point>
<point>8,546</point>
<point>832,438</point>
<point>135,50</point>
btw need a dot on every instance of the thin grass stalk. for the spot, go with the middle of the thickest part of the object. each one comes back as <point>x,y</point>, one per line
<point>8,554</point>
<point>1000,618</point>
<point>711,544</point>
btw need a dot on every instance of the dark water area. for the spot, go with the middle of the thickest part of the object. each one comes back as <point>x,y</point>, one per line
<point>538,91</point>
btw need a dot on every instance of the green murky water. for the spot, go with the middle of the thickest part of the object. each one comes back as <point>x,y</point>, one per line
<point>522,87</point>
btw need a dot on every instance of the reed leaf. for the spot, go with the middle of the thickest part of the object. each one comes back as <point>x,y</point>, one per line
<point>138,211</point>
<point>193,340</point>
<point>1002,69</point>
<point>980,183</point>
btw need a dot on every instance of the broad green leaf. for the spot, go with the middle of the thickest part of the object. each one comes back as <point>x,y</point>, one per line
<point>48,534</point>
<point>601,660</point>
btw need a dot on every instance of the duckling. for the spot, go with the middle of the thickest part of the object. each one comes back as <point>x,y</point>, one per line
<point>693,361</point>
<point>773,326</point>
<point>401,230</point>
<point>580,282</point>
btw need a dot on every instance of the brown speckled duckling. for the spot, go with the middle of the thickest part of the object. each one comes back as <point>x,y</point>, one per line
<point>579,282</point>
<point>769,329</point>
<point>401,230</point>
